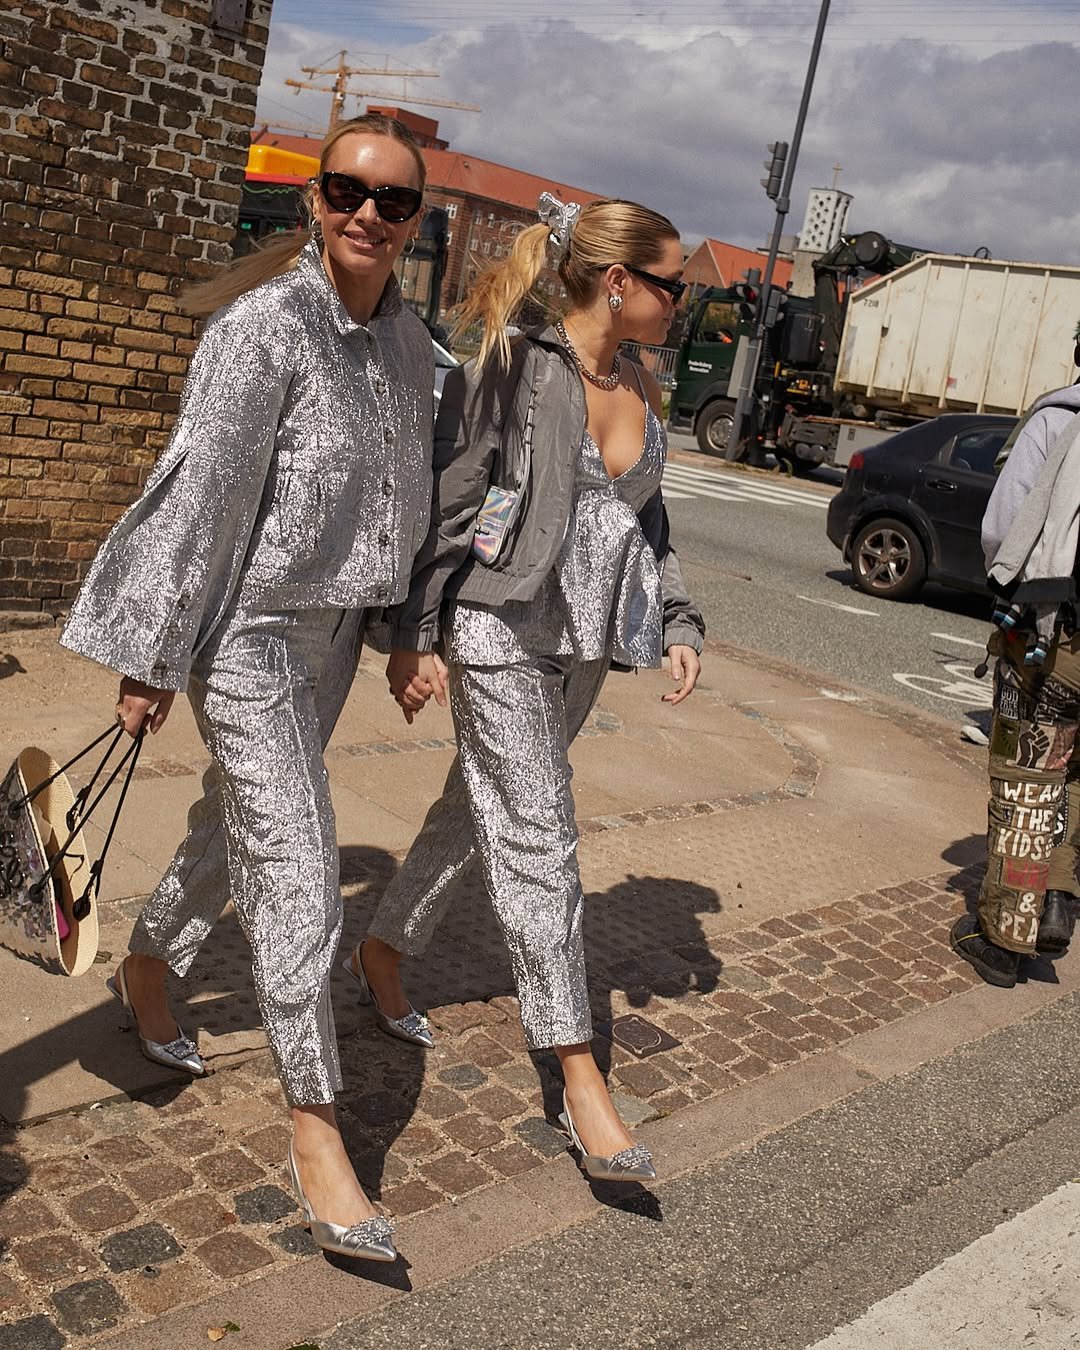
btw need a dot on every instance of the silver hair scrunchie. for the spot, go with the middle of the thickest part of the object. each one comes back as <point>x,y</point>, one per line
<point>560,218</point>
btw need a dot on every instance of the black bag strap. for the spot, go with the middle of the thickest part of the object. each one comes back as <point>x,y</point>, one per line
<point>78,806</point>
<point>115,732</point>
<point>80,812</point>
<point>83,903</point>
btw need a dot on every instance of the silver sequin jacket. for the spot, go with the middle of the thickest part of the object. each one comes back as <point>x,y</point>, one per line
<point>298,474</point>
<point>478,414</point>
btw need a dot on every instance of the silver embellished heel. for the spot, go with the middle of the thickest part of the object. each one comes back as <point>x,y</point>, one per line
<point>369,1240</point>
<point>629,1164</point>
<point>179,1054</point>
<point>413,1027</point>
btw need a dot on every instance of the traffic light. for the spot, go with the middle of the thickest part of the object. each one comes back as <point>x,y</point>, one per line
<point>774,306</point>
<point>773,181</point>
<point>747,293</point>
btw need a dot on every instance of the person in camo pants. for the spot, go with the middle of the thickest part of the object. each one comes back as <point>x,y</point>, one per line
<point>1033,830</point>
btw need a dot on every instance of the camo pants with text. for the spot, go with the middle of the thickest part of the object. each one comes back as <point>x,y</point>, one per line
<point>1033,828</point>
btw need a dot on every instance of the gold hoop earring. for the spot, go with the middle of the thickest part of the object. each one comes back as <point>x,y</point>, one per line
<point>410,247</point>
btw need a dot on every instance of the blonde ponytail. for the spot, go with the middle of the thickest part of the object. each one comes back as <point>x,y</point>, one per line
<point>278,254</point>
<point>499,292</point>
<point>605,232</point>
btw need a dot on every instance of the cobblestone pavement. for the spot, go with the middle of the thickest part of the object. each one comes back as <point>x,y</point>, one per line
<point>118,1213</point>
<point>116,1209</point>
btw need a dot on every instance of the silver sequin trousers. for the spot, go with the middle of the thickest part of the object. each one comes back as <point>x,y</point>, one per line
<point>507,797</point>
<point>266,699</point>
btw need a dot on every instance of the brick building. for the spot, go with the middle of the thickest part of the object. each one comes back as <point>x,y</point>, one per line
<point>714,263</point>
<point>487,204</point>
<point>123,138</point>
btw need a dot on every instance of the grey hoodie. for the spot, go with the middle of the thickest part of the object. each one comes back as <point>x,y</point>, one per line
<point>1050,416</point>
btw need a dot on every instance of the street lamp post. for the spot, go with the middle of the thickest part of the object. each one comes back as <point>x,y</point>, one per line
<point>745,394</point>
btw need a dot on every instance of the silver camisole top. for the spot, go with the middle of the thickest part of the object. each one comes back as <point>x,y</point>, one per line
<point>603,597</point>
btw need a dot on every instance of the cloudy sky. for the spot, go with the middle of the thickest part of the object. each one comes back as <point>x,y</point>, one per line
<point>950,119</point>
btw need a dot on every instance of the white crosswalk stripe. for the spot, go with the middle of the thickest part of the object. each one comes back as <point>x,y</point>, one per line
<point>682,480</point>
<point>970,1300</point>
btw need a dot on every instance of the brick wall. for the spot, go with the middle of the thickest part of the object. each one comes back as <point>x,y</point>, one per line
<point>123,135</point>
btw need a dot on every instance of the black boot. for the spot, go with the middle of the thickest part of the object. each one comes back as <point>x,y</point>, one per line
<point>995,964</point>
<point>1056,925</point>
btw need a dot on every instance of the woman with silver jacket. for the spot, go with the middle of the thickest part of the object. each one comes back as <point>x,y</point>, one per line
<point>547,559</point>
<point>292,496</point>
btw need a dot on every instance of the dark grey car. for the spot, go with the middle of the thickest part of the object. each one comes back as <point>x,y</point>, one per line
<point>911,507</point>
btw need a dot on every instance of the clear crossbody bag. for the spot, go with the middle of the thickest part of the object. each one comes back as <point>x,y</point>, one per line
<point>496,519</point>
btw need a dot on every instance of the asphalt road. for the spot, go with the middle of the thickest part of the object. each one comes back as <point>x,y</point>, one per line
<point>758,561</point>
<point>931,1206</point>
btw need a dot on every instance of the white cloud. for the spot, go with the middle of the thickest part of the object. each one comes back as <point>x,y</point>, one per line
<point>950,121</point>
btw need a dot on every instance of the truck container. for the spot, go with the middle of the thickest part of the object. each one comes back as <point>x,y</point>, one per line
<point>955,334</point>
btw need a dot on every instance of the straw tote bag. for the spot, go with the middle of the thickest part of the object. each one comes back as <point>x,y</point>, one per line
<point>48,884</point>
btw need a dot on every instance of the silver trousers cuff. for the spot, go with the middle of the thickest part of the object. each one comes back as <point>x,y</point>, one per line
<point>266,700</point>
<point>507,799</point>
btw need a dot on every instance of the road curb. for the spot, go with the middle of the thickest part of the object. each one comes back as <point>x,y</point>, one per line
<point>449,1242</point>
<point>26,620</point>
<point>937,733</point>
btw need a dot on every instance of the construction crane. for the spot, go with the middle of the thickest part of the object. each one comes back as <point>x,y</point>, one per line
<point>273,125</point>
<point>340,90</point>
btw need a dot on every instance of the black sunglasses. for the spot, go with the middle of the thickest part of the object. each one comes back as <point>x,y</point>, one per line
<point>676,289</point>
<point>341,192</point>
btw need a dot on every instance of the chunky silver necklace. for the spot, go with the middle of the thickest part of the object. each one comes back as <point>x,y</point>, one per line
<point>609,381</point>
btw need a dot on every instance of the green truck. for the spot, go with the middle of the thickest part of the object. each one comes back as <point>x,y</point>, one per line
<point>707,372</point>
<point>797,413</point>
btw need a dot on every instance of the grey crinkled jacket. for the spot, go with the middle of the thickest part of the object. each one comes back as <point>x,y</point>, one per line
<point>480,414</point>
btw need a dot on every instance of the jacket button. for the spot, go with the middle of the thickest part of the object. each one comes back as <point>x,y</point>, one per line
<point>387,488</point>
<point>384,539</point>
<point>388,434</point>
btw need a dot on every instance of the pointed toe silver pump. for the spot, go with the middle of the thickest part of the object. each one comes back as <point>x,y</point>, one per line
<point>629,1164</point>
<point>178,1054</point>
<point>413,1027</point>
<point>366,1241</point>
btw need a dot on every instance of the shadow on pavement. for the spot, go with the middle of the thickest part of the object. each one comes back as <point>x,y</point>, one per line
<point>10,665</point>
<point>630,1198</point>
<point>643,938</point>
<point>391,1274</point>
<point>963,854</point>
<point>945,599</point>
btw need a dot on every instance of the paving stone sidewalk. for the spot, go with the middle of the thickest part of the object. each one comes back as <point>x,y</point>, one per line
<point>119,1213</point>
<point>735,900</point>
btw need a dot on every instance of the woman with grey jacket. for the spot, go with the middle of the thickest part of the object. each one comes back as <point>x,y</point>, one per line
<point>547,560</point>
<point>292,495</point>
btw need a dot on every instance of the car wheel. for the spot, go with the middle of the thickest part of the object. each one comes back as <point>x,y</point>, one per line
<point>888,559</point>
<point>713,427</point>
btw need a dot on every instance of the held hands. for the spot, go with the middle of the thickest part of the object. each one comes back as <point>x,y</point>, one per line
<point>685,666</point>
<point>413,678</point>
<point>142,706</point>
